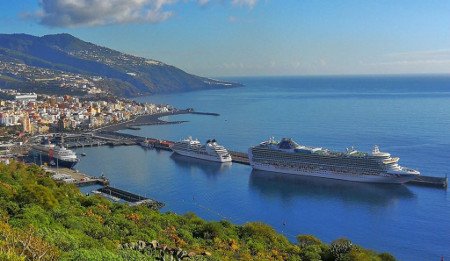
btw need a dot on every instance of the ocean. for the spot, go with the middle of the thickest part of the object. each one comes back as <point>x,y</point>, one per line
<point>408,116</point>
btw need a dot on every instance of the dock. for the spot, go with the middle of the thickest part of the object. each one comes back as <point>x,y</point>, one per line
<point>131,198</point>
<point>239,157</point>
<point>429,181</point>
<point>96,139</point>
<point>75,177</point>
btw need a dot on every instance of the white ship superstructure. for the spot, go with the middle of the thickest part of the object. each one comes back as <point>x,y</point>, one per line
<point>211,151</point>
<point>55,155</point>
<point>289,157</point>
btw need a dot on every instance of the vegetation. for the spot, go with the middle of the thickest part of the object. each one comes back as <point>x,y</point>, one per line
<point>66,53</point>
<point>44,220</point>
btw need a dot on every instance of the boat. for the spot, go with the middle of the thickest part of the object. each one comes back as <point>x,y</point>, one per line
<point>288,157</point>
<point>54,155</point>
<point>211,150</point>
<point>83,154</point>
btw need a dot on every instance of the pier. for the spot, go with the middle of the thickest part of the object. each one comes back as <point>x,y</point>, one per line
<point>75,177</point>
<point>239,157</point>
<point>429,181</point>
<point>131,198</point>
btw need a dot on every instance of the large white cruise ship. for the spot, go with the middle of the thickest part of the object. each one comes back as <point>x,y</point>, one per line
<point>210,151</point>
<point>289,157</point>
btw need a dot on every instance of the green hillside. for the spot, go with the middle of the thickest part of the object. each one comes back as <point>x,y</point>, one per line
<point>66,53</point>
<point>44,220</point>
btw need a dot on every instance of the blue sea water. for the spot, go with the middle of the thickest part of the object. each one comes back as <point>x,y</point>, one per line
<point>408,116</point>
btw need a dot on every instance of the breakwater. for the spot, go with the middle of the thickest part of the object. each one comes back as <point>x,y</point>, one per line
<point>151,119</point>
<point>131,198</point>
<point>75,177</point>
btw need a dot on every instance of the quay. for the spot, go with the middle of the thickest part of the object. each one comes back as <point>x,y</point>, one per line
<point>75,177</point>
<point>131,198</point>
<point>98,139</point>
<point>239,157</point>
<point>430,181</point>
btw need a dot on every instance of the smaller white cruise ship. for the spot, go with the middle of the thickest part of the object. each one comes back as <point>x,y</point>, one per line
<point>211,150</point>
<point>54,155</point>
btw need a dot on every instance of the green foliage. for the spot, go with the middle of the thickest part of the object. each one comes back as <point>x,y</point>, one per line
<point>209,231</point>
<point>91,255</point>
<point>62,53</point>
<point>11,257</point>
<point>64,224</point>
<point>308,240</point>
<point>386,257</point>
<point>340,247</point>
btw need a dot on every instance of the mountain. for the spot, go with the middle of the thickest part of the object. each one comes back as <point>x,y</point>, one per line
<point>60,55</point>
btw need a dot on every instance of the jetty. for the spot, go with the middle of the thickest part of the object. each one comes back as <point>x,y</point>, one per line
<point>429,181</point>
<point>72,176</point>
<point>239,157</point>
<point>131,198</point>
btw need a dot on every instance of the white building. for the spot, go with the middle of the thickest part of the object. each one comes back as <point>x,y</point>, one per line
<point>26,97</point>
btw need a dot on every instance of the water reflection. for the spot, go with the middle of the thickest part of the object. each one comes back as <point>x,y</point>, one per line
<point>210,168</point>
<point>276,185</point>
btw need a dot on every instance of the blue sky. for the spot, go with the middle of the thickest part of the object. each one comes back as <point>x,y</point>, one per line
<point>254,37</point>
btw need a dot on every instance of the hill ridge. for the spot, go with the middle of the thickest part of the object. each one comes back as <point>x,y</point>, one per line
<point>129,75</point>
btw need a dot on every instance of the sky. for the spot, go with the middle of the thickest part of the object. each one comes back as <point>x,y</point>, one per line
<point>254,37</point>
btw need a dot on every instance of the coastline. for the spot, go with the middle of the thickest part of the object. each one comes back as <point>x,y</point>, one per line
<point>141,120</point>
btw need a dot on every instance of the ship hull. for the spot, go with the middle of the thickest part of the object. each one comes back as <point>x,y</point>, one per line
<point>37,156</point>
<point>200,156</point>
<point>336,175</point>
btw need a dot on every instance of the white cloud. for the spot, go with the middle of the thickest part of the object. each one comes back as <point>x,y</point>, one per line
<point>249,3</point>
<point>421,54</point>
<point>410,62</point>
<point>232,19</point>
<point>202,2</point>
<point>70,13</point>
<point>412,58</point>
<point>74,13</point>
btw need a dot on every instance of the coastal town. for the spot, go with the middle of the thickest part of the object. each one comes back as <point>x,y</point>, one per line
<point>40,114</point>
<point>30,114</point>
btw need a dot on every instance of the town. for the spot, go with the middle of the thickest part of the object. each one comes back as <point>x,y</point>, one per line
<point>31,114</point>
<point>52,81</point>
